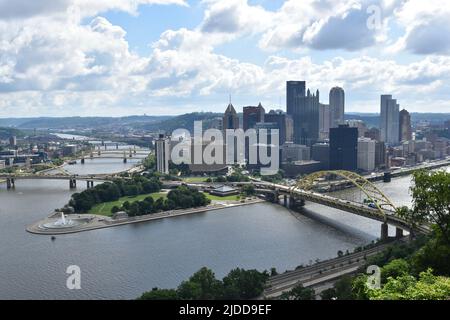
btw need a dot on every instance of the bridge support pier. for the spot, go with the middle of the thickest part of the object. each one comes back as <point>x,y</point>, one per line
<point>90,184</point>
<point>82,160</point>
<point>276,197</point>
<point>384,232</point>
<point>398,233</point>
<point>117,146</point>
<point>285,201</point>
<point>10,183</point>
<point>72,183</point>
<point>125,160</point>
<point>296,203</point>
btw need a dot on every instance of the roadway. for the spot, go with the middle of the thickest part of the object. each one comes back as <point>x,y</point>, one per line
<point>315,276</point>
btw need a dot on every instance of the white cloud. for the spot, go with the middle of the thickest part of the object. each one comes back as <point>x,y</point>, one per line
<point>427,27</point>
<point>20,9</point>
<point>62,64</point>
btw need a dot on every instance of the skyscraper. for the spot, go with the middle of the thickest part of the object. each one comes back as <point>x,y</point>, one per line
<point>405,126</point>
<point>343,148</point>
<point>389,120</point>
<point>230,118</point>
<point>337,106</point>
<point>284,124</point>
<point>252,116</point>
<point>304,110</point>
<point>294,90</point>
<point>366,154</point>
<point>324,121</point>
<point>162,152</point>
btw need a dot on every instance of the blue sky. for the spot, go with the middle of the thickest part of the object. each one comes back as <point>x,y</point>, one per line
<point>123,57</point>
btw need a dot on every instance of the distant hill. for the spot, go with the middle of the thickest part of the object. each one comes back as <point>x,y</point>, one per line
<point>370,119</point>
<point>170,123</point>
<point>79,122</point>
<point>185,121</point>
<point>373,119</point>
<point>5,133</point>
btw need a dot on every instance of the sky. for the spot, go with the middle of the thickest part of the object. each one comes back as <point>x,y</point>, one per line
<point>168,57</point>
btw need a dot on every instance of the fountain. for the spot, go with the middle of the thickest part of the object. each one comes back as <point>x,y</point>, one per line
<point>62,223</point>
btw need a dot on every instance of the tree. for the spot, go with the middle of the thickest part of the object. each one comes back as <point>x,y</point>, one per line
<point>407,287</point>
<point>126,205</point>
<point>359,287</point>
<point>431,200</point>
<point>343,288</point>
<point>248,190</point>
<point>299,293</point>
<point>160,294</point>
<point>115,209</point>
<point>394,269</point>
<point>244,284</point>
<point>434,254</point>
<point>203,285</point>
<point>328,294</point>
<point>412,217</point>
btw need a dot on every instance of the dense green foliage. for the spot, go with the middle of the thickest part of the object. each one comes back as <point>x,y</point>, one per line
<point>203,285</point>
<point>299,293</point>
<point>180,198</point>
<point>407,287</point>
<point>431,200</point>
<point>418,269</point>
<point>112,191</point>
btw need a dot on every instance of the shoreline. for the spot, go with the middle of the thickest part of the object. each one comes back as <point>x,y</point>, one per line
<point>101,222</point>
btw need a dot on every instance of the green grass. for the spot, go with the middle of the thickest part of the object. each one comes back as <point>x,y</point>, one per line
<point>104,209</point>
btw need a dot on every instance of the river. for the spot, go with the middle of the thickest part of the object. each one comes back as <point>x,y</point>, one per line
<point>122,262</point>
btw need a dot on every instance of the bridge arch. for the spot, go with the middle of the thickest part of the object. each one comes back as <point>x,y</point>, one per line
<point>372,192</point>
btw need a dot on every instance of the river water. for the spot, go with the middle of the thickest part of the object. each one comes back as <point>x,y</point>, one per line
<point>122,262</point>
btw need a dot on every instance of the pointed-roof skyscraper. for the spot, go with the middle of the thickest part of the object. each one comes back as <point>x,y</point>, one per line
<point>230,118</point>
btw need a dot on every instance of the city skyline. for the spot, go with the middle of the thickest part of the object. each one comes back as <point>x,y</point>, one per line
<point>167,57</point>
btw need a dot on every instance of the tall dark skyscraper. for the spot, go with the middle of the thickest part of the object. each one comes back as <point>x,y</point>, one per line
<point>294,91</point>
<point>306,119</point>
<point>252,116</point>
<point>304,110</point>
<point>344,148</point>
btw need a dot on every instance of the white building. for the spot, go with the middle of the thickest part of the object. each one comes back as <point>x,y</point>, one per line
<point>389,120</point>
<point>162,151</point>
<point>366,154</point>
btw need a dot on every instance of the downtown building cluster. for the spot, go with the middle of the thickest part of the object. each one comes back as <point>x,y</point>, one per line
<point>316,136</point>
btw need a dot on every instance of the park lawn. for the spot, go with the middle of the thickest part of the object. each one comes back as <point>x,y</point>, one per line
<point>104,209</point>
<point>227,198</point>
